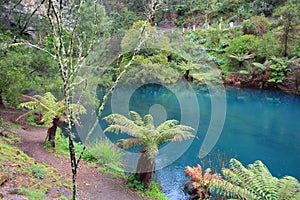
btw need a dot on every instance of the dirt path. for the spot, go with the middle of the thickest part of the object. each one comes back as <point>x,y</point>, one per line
<point>91,184</point>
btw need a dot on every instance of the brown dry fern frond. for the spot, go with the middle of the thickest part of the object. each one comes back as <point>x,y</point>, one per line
<point>198,186</point>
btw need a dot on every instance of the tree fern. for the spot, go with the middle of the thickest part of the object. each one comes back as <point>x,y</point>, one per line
<point>147,135</point>
<point>53,112</point>
<point>50,106</point>
<point>254,182</point>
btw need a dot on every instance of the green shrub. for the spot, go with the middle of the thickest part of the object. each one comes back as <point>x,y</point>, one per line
<point>265,7</point>
<point>268,46</point>
<point>244,45</point>
<point>38,172</point>
<point>279,67</point>
<point>256,25</point>
<point>154,192</point>
<point>133,183</point>
<point>33,193</point>
<point>104,152</point>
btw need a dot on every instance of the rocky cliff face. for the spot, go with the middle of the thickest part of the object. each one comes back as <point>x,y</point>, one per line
<point>16,14</point>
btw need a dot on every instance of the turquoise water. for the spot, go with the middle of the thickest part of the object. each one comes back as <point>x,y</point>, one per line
<point>259,125</point>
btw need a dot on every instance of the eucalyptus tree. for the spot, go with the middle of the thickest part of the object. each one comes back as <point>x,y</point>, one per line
<point>145,134</point>
<point>75,28</point>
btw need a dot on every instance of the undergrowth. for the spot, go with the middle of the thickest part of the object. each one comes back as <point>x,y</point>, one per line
<point>33,179</point>
<point>101,152</point>
<point>32,121</point>
<point>153,191</point>
<point>7,133</point>
<point>109,157</point>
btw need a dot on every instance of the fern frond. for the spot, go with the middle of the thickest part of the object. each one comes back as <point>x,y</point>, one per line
<point>129,143</point>
<point>167,125</point>
<point>48,117</point>
<point>26,114</point>
<point>255,182</point>
<point>116,128</point>
<point>229,189</point>
<point>136,118</point>
<point>288,188</point>
<point>176,134</point>
<point>179,136</point>
<point>37,102</point>
<point>195,173</point>
<point>30,105</point>
<point>148,121</point>
<point>120,120</point>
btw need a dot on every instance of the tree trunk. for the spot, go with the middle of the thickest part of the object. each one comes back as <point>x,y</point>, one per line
<point>144,168</point>
<point>1,102</point>
<point>52,131</point>
<point>286,38</point>
<point>297,81</point>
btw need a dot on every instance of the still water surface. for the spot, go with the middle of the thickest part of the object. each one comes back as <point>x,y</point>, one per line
<point>259,125</point>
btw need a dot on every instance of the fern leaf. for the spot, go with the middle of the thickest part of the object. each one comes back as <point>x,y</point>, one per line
<point>120,120</point>
<point>148,121</point>
<point>25,114</point>
<point>195,173</point>
<point>167,125</point>
<point>136,118</point>
<point>129,143</point>
<point>37,102</point>
<point>230,190</point>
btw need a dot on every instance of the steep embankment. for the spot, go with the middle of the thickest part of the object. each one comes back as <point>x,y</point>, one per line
<point>28,170</point>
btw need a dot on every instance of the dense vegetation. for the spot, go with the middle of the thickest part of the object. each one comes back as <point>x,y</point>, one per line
<point>238,42</point>
<point>261,50</point>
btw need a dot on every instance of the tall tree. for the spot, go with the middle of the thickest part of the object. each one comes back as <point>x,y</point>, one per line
<point>74,29</point>
<point>289,20</point>
<point>145,134</point>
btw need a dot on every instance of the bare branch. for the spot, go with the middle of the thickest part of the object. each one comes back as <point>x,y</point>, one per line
<point>31,15</point>
<point>32,45</point>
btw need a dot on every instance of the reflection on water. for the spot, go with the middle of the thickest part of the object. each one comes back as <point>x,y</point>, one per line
<point>260,125</point>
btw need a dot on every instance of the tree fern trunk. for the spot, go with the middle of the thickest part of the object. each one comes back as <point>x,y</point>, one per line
<point>1,102</point>
<point>52,131</point>
<point>144,168</point>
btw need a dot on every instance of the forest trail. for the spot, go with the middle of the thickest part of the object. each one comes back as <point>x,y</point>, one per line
<point>91,184</point>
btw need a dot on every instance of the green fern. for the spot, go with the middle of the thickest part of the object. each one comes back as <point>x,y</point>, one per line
<point>144,133</point>
<point>50,107</point>
<point>255,182</point>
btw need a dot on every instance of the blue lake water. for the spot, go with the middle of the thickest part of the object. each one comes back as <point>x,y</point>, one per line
<point>259,125</point>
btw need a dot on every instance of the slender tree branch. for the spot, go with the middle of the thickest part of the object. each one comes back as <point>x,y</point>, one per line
<point>31,15</point>
<point>32,45</point>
